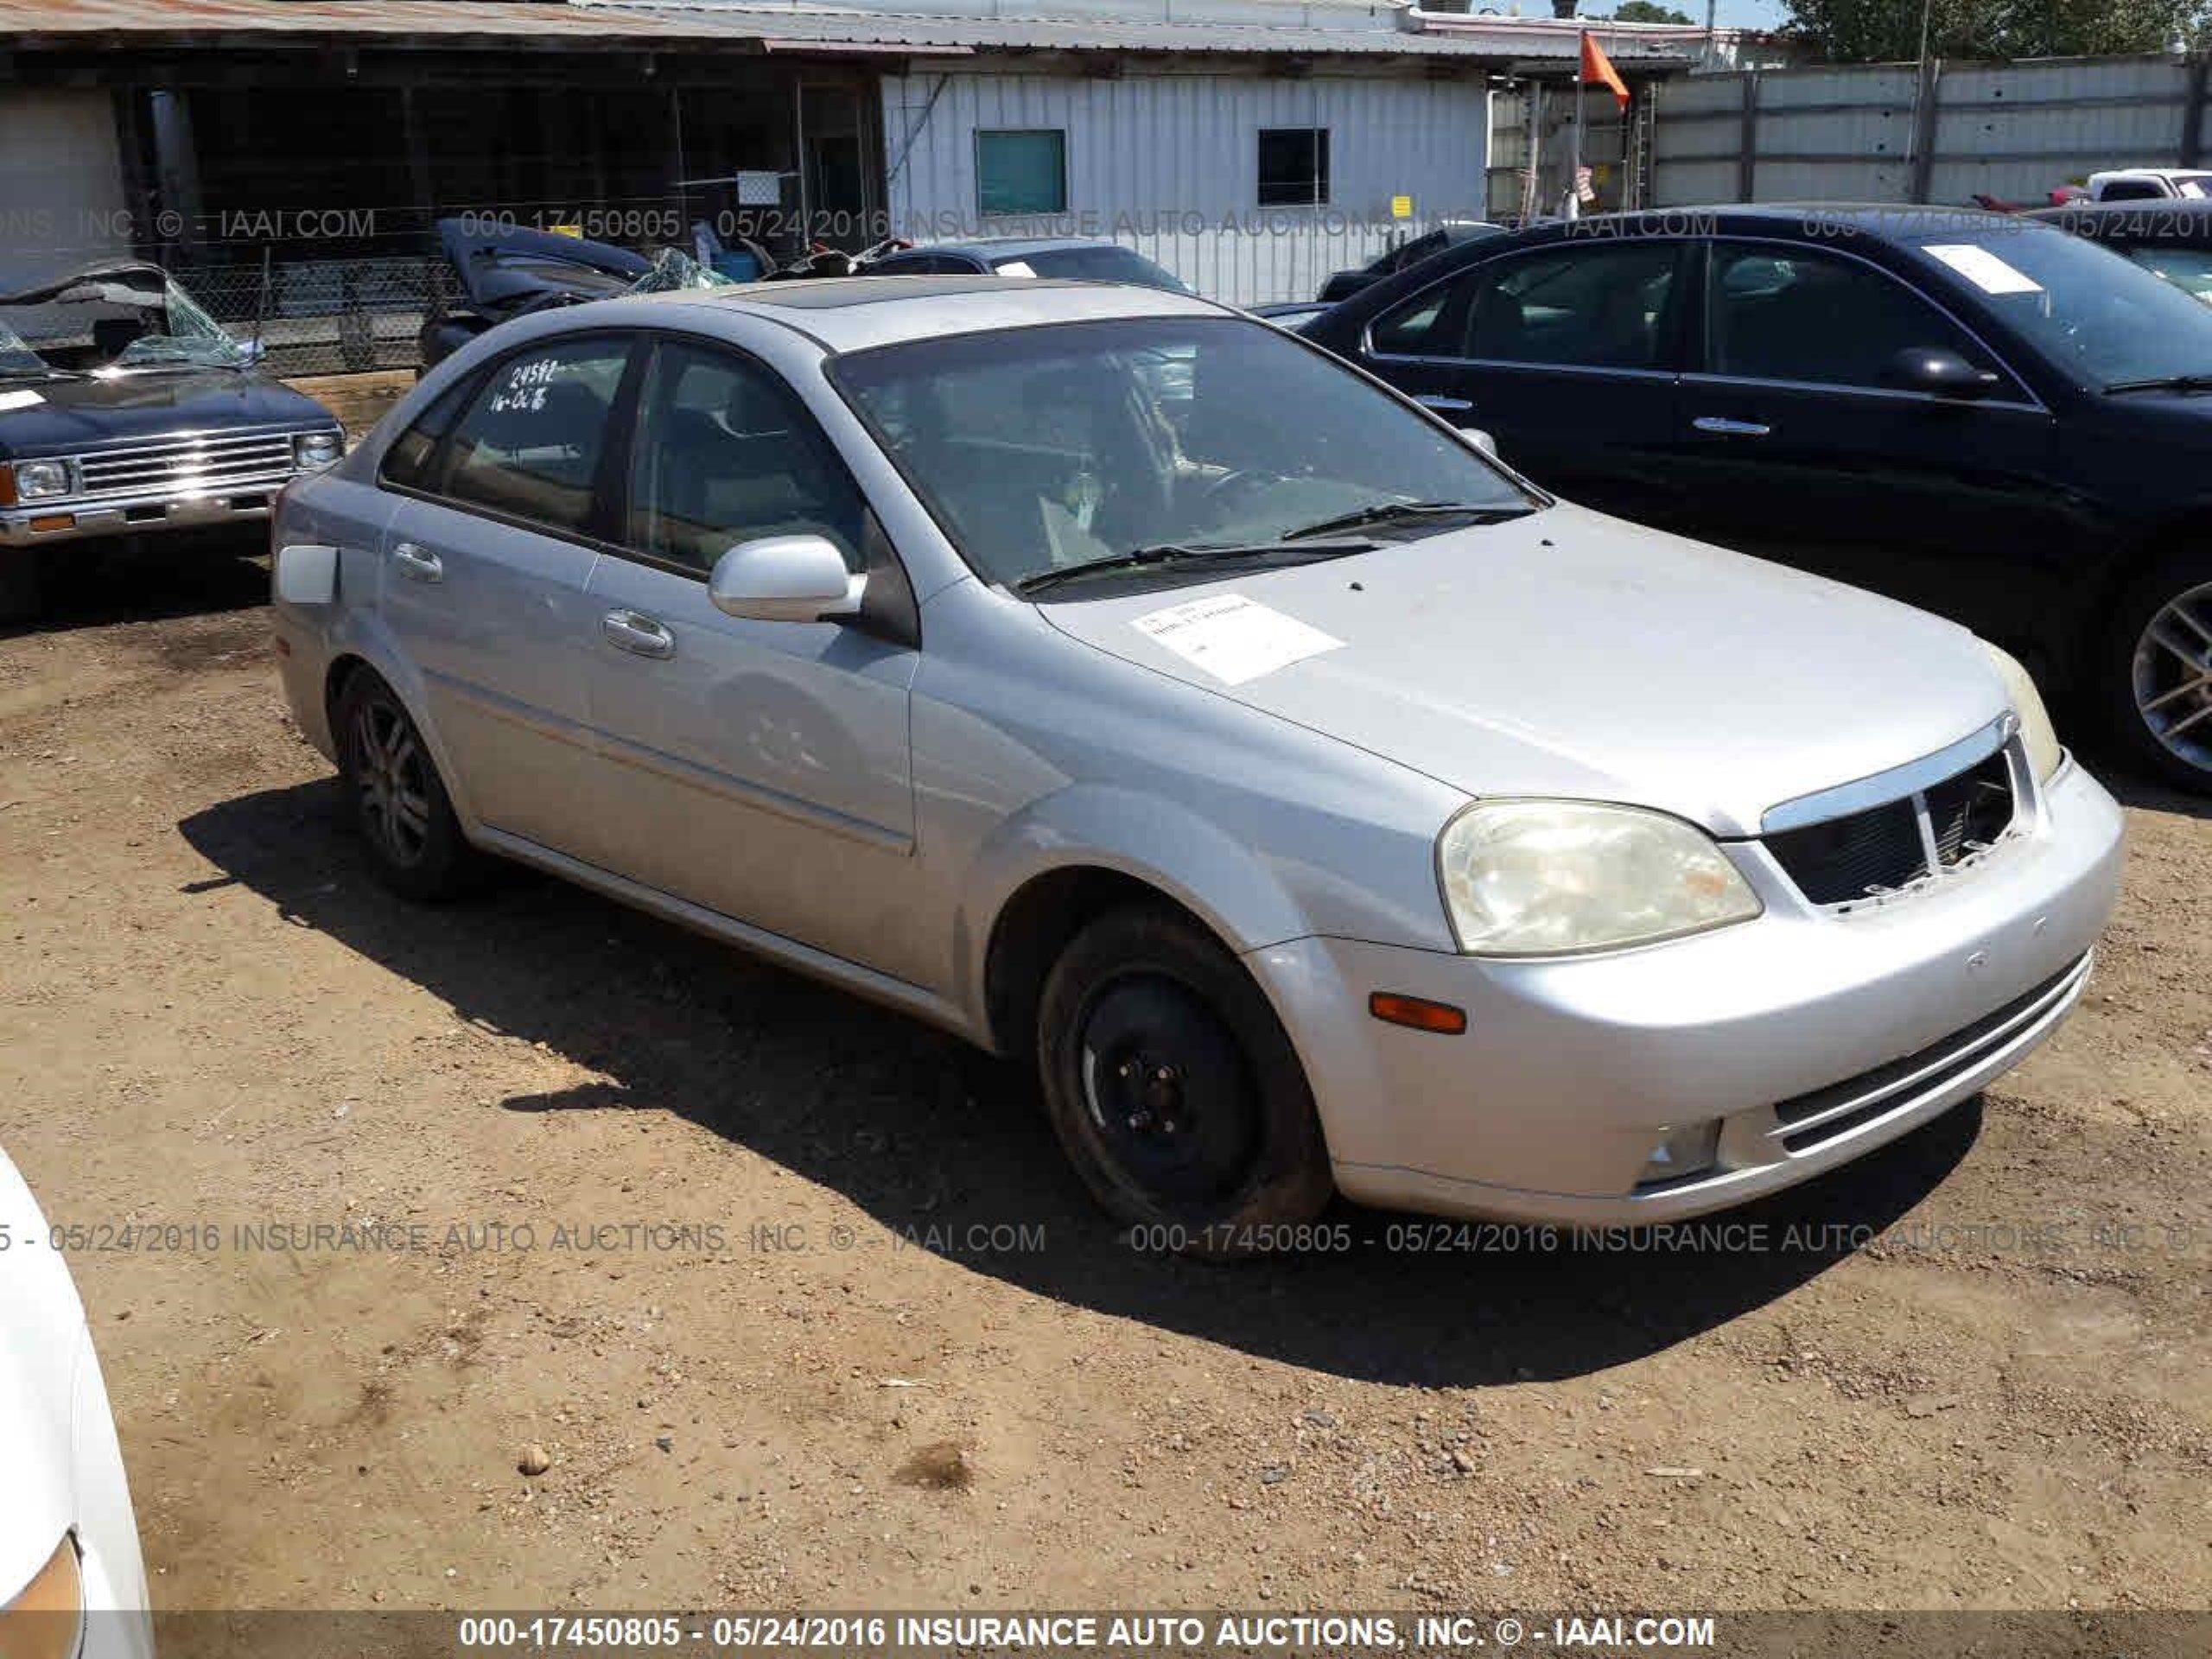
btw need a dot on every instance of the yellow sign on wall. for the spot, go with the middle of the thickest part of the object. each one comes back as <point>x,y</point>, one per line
<point>1401,207</point>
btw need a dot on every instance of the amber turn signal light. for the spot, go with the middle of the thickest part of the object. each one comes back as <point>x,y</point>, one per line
<point>1418,1012</point>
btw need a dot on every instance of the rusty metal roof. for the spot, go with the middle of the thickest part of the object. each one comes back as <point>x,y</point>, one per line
<point>1316,28</point>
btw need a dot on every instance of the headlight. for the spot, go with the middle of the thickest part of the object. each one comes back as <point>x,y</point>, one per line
<point>47,1621</point>
<point>2041,737</point>
<point>1541,878</point>
<point>318,449</point>
<point>41,480</point>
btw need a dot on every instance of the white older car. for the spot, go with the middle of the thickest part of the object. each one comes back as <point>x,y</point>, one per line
<point>71,1583</point>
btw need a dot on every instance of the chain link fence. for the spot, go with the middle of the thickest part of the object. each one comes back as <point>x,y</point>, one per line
<point>326,316</point>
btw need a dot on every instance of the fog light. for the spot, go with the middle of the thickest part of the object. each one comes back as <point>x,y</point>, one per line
<point>1683,1153</point>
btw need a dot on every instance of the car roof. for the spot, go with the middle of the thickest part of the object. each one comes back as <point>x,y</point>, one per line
<point>1001,247</point>
<point>850,314</point>
<point>2167,219</point>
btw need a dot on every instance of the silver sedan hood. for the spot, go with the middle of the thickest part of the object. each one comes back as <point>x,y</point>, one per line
<point>1574,655</point>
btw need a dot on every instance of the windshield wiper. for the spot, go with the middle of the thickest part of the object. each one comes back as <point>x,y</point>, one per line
<point>2163,383</point>
<point>1386,512</point>
<point>1186,553</point>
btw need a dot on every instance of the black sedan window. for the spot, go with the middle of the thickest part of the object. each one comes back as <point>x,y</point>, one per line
<point>2098,317</point>
<point>1818,319</point>
<point>1595,305</point>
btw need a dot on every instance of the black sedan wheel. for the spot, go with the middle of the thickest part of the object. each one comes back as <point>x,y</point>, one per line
<point>1173,1089</point>
<point>2163,639</point>
<point>414,841</point>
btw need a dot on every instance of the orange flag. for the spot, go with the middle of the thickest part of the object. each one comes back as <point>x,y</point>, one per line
<point>1598,69</point>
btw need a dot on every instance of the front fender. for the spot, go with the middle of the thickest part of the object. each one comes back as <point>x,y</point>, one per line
<point>1227,884</point>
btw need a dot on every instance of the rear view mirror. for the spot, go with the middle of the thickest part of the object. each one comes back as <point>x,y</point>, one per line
<point>786,579</point>
<point>1940,373</point>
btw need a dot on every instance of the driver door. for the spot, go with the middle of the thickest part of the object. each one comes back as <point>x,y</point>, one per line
<point>760,770</point>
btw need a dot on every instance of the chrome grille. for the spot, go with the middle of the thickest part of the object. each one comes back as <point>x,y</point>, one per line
<point>1864,855</point>
<point>198,466</point>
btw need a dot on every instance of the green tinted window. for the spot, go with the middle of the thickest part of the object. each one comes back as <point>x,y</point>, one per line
<point>1021,172</point>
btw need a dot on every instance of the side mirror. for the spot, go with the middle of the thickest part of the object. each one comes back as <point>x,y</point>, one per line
<point>1940,373</point>
<point>786,579</point>
<point>1482,440</point>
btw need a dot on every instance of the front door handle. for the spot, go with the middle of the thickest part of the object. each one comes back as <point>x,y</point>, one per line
<point>1438,401</point>
<point>638,634</point>
<point>418,563</point>
<point>1729,428</point>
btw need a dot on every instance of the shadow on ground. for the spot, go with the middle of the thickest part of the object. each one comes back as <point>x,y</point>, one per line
<point>148,579</point>
<point>936,1143</point>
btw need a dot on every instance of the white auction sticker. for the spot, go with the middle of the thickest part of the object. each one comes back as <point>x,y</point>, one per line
<point>23,399</point>
<point>1232,637</point>
<point>1015,268</point>
<point>1984,269</point>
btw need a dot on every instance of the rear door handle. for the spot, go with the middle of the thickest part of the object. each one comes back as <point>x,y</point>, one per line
<point>1731,429</point>
<point>638,634</point>
<point>1445,405</point>
<point>417,563</point>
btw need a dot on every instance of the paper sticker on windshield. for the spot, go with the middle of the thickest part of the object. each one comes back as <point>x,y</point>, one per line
<point>1014,268</point>
<point>24,398</point>
<point>1232,637</point>
<point>1985,270</point>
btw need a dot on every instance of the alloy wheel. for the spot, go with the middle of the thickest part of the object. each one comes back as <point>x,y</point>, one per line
<point>2173,677</point>
<point>391,775</point>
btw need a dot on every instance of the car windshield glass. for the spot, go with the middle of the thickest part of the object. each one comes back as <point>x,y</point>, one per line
<point>675,269</point>
<point>2098,317</point>
<point>124,319</point>
<point>1102,264</point>
<point>2188,269</point>
<point>1044,448</point>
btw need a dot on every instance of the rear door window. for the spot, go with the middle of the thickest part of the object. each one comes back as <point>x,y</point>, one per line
<point>1596,305</point>
<point>529,446</point>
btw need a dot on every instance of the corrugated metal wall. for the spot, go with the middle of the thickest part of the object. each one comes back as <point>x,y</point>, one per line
<point>2010,130</point>
<point>1167,165</point>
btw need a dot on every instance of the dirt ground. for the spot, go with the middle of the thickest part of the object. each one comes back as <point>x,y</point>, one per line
<point>803,1310</point>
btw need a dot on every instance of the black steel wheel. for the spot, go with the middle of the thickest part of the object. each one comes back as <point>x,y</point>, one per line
<point>1173,1088</point>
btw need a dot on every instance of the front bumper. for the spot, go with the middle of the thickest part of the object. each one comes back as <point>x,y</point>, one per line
<point>1812,1037</point>
<point>234,501</point>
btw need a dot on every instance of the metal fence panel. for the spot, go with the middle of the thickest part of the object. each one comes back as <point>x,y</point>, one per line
<point>2010,130</point>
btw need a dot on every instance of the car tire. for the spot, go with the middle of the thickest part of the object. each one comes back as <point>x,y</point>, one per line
<point>2151,686</point>
<point>1173,1088</point>
<point>398,800</point>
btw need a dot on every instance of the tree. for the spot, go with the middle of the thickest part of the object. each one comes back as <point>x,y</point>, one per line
<point>1643,11</point>
<point>1888,31</point>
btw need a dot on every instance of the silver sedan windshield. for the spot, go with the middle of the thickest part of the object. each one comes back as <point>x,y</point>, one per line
<point>1043,448</point>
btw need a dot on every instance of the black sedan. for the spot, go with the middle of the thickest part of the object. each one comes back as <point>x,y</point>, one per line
<point>2172,239</point>
<point>1451,233</point>
<point>1974,412</point>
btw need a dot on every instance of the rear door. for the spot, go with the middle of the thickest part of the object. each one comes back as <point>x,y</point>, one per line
<point>1797,445</point>
<point>1567,354</point>
<point>484,568</point>
<point>759,769</point>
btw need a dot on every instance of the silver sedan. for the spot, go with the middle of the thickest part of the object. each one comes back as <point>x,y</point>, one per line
<point>1137,691</point>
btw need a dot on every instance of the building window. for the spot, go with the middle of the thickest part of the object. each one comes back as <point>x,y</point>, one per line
<point>1294,167</point>
<point>1021,172</point>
